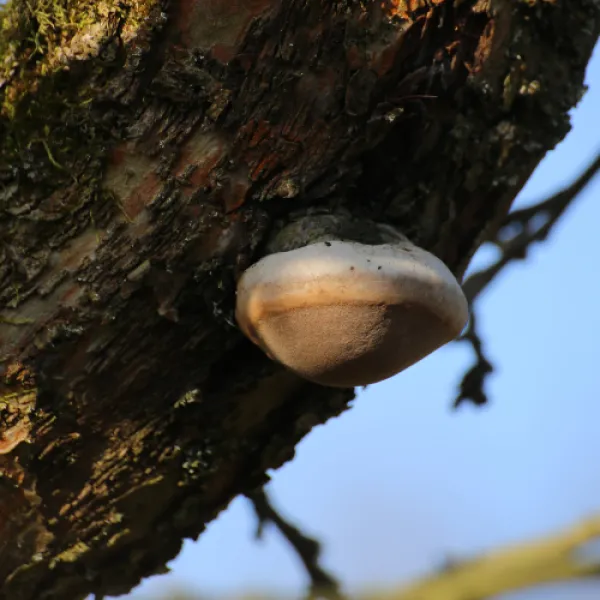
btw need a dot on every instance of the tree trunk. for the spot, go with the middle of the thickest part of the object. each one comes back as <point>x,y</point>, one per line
<point>148,150</point>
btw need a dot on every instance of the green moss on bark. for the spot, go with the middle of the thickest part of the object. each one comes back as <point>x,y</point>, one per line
<point>56,57</point>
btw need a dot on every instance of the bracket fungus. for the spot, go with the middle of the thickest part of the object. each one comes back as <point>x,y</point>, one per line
<point>343,314</point>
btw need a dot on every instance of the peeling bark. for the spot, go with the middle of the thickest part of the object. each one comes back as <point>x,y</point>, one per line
<point>148,151</point>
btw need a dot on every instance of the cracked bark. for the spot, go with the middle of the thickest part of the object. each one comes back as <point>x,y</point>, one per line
<point>148,150</point>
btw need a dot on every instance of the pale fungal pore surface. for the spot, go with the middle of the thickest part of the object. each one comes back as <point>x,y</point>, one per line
<point>345,314</point>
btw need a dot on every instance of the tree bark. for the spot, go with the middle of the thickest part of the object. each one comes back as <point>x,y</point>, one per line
<point>149,148</point>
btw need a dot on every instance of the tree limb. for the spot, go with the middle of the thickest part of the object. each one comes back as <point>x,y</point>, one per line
<point>524,227</point>
<point>520,230</point>
<point>558,558</point>
<point>149,150</point>
<point>322,584</point>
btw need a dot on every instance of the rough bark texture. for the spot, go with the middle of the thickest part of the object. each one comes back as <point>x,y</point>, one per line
<point>148,150</point>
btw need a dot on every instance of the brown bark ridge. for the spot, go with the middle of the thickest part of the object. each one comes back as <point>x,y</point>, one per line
<point>148,150</point>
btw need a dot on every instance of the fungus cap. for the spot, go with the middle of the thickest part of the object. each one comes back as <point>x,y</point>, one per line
<point>345,314</point>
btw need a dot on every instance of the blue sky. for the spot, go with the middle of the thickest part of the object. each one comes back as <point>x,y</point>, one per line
<point>400,482</point>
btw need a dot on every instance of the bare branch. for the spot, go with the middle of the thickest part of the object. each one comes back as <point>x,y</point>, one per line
<point>472,384</point>
<point>322,584</point>
<point>558,558</point>
<point>520,230</point>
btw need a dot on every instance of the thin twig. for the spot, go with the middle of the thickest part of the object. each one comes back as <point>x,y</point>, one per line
<point>522,228</point>
<point>519,231</point>
<point>472,384</point>
<point>564,557</point>
<point>322,584</point>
